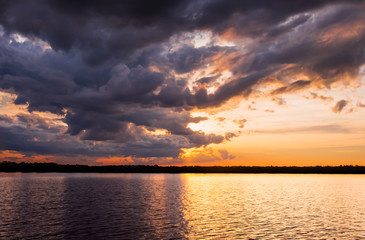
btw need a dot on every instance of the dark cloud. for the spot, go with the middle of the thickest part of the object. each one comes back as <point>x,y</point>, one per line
<point>295,86</point>
<point>207,80</point>
<point>339,106</point>
<point>184,60</point>
<point>97,126</point>
<point>188,58</point>
<point>236,87</point>
<point>263,15</point>
<point>225,155</point>
<point>314,45</point>
<point>130,25</point>
<point>117,72</point>
<point>287,26</point>
<point>230,135</point>
<point>102,30</point>
<point>201,139</point>
<point>20,139</point>
<point>174,122</point>
<point>31,120</point>
<point>5,118</point>
<point>129,84</point>
<point>36,141</point>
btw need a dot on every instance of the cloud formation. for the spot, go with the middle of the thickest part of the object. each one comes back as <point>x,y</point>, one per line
<point>339,106</point>
<point>124,76</point>
<point>292,87</point>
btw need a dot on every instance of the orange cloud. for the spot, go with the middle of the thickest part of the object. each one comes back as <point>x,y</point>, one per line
<point>115,160</point>
<point>15,156</point>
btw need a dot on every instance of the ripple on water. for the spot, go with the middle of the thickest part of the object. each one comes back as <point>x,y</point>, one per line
<point>181,206</point>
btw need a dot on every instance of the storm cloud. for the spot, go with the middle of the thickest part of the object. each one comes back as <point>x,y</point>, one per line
<point>125,76</point>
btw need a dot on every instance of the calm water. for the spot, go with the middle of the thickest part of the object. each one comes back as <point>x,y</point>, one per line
<point>180,206</point>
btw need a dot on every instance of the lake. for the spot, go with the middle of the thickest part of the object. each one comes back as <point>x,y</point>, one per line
<point>181,206</point>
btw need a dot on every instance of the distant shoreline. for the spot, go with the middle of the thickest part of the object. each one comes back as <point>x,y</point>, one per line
<point>60,168</point>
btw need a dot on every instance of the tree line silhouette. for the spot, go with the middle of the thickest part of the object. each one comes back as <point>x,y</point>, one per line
<point>7,166</point>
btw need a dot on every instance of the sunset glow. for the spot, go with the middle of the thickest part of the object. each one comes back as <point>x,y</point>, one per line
<point>189,84</point>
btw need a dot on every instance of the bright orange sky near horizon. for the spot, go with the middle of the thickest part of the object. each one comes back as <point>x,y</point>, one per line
<point>286,89</point>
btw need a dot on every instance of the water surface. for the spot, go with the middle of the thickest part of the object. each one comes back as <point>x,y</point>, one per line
<point>181,206</point>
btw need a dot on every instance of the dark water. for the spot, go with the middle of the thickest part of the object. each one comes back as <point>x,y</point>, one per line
<point>181,206</point>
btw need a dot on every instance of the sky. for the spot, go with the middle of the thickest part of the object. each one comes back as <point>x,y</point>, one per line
<point>204,82</point>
